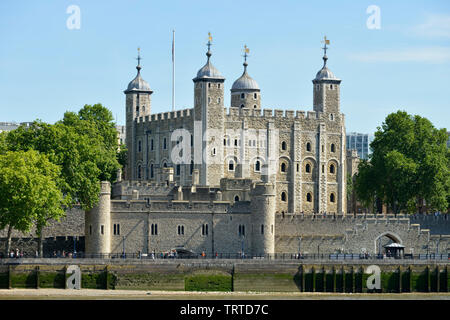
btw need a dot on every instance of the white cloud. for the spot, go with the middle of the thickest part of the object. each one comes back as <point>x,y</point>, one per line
<point>435,25</point>
<point>428,55</point>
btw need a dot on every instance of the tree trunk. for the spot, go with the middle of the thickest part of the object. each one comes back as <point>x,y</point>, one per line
<point>8,241</point>
<point>40,242</point>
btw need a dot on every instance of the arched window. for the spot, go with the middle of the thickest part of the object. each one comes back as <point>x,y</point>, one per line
<point>151,171</point>
<point>165,164</point>
<point>331,117</point>
<point>165,143</point>
<point>283,145</point>
<point>283,167</point>
<point>242,106</point>
<point>333,148</point>
<point>236,198</point>
<point>308,168</point>
<point>254,106</point>
<point>255,95</point>
<point>308,146</point>
<point>192,167</point>
<point>257,166</point>
<point>308,197</point>
<point>283,196</point>
<point>332,168</point>
<point>139,174</point>
<point>218,85</point>
<point>139,146</point>
<point>332,197</point>
<point>231,165</point>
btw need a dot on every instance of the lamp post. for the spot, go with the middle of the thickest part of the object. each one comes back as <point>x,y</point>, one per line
<point>299,246</point>
<point>123,249</point>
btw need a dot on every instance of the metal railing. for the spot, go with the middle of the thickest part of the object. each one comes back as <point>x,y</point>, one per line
<point>235,256</point>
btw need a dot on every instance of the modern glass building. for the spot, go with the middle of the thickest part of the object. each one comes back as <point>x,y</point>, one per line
<point>360,142</point>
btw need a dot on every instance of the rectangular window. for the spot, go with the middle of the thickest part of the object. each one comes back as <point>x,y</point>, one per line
<point>180,230</point>
<point>154,229</point>
<point>102,229</point>
<point>204,229</point>
<point>90,229</point>
<point>262,229</point>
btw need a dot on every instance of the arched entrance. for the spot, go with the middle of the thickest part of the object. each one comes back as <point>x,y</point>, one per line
<point>385,239</point>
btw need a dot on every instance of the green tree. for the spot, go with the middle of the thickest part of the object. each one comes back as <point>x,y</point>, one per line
<point>29,191</point>
<point>409,162</point>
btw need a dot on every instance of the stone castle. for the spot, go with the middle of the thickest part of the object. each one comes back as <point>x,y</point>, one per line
<point>238,180</point>
<point>250,180</point>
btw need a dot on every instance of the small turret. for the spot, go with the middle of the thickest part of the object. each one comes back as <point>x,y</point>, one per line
<point>263,218</point>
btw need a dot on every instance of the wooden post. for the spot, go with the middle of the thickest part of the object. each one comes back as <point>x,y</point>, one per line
<point>410,279</point>
<point>343,279</point>
<point>353,280</point>
<point>302,278</point>
<point>37,277</point>
<point>399,279</point>
<point>65,277</point>
<point>106,277</point>
<point>334,279</point>
<point>438,285</point>
<point>9,276</point>
<point>428,278</point>
<point>313,271</point>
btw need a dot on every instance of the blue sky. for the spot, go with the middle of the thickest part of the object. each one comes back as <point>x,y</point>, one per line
<point>47,69</point>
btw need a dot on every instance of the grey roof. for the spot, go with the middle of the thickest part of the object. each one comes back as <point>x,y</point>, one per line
<point>138,84</point>
<point>394,245</point>
<point>325,74</point>
<point>245,82</point>
<point>208,71</point>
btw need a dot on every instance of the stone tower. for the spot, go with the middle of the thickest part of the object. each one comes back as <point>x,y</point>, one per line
<point>97,224</point>
<point>138,105</point>
<point>263,218</point>
<point>326,100</point>
<point>209,116</point>
<point>245,92</point>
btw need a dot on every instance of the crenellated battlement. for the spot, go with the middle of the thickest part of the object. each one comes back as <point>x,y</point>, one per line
<point>166,116</point>
<point>272,113</point>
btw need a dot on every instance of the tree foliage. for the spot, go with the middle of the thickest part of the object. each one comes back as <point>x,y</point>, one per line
<point>29,191</point>
<point>410,161</point>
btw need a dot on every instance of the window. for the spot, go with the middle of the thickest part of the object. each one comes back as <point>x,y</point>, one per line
<point>283,196</point>
<point>154,229</point>
<point>117,229</point>
<point>178,170</point>
<point>257,166</point>
<point>308,168</point>
<point>165,143</point>
<point>235,142</point>
<point>165,164</point>
<point>241,230</point>
<point>333,148</point>
<point>298,167</point>
<point>90,229</point>
<point>254,106</point>
<point>332,168</point>
<point>236,198</point>
<point>242,95</point>
<point>209,100</point>
<point>283,167</point>
<point>137,109</point>
<point>192,167</point>
<point>308,146</point>
<point>218,100</point>
<point>331,86</point>
<point>323,148</point>
<point>151,145</point>
<point>231,165</point>
<point>242,106</point>
<point>332,197</point>
<point>151,171</point>
<point>218,85</point>
<point>139,169</point>
<point>139,146</point>
<point>331,117</point>
<point>180,230</point>
<point>209,85</point>
<point>255,95</point>
<point>213,152</point>
<point>323,169</point>
<point>192,140</point>
<point>283,145</point>
<point>102,229</point>
<point>204,229</point>
<point>224,141</point>
<point>262,229</point>
<point>308,197</point>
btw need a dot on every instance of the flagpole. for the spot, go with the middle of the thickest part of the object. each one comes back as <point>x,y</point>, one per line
<point>173,70</point>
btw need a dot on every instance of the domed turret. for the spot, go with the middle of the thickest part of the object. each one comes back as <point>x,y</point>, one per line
<point>138,84</point>
<point>208,71</point>
<point>245,92</point>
